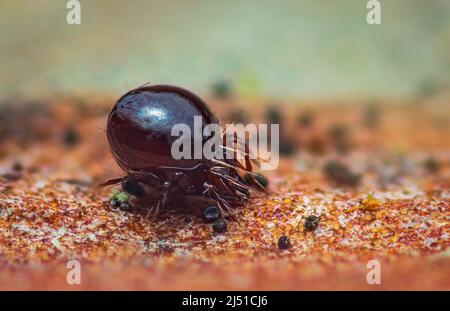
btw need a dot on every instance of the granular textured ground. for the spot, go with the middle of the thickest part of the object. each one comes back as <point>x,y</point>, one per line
<point>53,155</point>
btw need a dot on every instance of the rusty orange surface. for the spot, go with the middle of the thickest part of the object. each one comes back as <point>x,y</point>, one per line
<point>51,209</point>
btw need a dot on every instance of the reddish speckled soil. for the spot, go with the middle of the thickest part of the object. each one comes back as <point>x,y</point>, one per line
<point>53,155</point>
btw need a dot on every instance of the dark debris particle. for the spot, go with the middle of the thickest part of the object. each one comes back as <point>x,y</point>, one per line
<point>340,136</point>
<point>341,173</point>
<point>211,213</point>
<point>274,116</point>
<point>286,147</point>
<point>164,245</point>
<point>71,137</point>
<point>338,132</point>
<point>311,222</point>
<point>431,165</point>
<point>76,182</point>
<point>222,88</point>
<point>17,167</point>
<point>220,225</point>
<point>126,207</point>
<point>114,202</point>
<point>133,187</point>
<point>11,177</point>
<point>305,119</point>
<point>284,243</point>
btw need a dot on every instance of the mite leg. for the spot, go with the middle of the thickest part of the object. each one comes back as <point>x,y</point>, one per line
<point>162,201</point>
<point>209,190</point>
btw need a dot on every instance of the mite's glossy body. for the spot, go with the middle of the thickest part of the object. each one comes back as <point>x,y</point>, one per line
<point>139,134</point>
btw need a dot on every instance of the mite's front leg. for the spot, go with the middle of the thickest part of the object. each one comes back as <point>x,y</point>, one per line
<point>161,199</point>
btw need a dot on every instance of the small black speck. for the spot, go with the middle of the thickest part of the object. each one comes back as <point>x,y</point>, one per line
<point>284,243</point>
<point>222,88</point>
<point>220,226</point>
<point>126,207</point>
<point>341,173</point>
<point>286,147</point>
<point>340,138</point>
<point>11,177</point>
<point>71,137</point>
<point>211,213</point>
<point>311,222</point>
<point>274,116</point>
<point>114,203</point>
<point>305,119</point>
<point>17,166</point>
<point>431,165</point>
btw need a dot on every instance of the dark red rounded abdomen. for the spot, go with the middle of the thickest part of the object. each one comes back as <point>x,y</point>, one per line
<point>140,124</point>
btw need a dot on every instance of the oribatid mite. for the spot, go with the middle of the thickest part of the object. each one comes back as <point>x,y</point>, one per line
<point>139,135</point>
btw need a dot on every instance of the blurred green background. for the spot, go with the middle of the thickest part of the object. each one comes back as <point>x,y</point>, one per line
<point>285,48</point>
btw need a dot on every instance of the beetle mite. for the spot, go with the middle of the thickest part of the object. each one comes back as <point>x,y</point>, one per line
<point>139,135</point>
